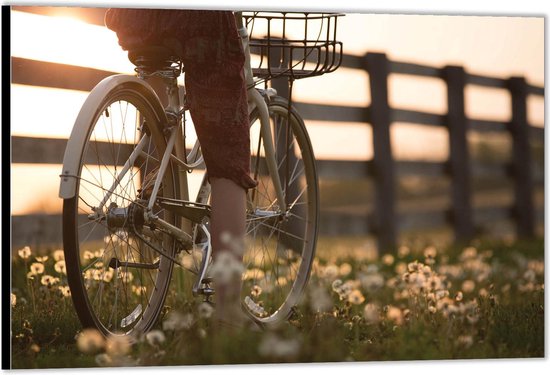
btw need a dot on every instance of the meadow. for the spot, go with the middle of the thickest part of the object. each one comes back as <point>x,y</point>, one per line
<point>424,302</point>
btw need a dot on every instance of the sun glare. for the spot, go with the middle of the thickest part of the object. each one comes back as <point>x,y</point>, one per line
<point>66,40</point>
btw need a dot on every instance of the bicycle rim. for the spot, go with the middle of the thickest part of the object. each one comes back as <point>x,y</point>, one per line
<point>280,244</point>
<point>118,280</point>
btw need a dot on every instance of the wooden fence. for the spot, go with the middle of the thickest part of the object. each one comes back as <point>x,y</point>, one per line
<point>383,220</point>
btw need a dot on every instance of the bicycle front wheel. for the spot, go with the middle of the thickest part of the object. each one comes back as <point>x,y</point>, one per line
<point>116,272</point>
<point>281,236</point>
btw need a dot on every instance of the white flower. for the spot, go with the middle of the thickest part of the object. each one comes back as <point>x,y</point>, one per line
<point>13,300</point>
<point>37,268</point>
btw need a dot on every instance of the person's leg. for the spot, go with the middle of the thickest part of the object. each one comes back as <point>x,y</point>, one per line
<point>227,226</point>
<point>216,94</point>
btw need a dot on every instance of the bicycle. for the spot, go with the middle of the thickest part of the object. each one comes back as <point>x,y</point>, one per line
<point>127,215</point>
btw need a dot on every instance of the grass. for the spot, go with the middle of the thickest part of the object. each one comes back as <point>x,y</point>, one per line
<point>485,300</point>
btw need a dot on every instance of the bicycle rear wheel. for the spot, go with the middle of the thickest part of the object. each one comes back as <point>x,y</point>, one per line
<point>117,277</point>
<point>280,244</point>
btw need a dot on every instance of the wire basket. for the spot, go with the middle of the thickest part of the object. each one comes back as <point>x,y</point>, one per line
<point>294,45</point>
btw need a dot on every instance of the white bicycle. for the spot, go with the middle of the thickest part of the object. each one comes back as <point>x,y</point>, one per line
<point>123,232</point>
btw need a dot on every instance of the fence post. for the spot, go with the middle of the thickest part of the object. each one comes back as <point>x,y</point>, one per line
<point>385,224</point>
<point>523,209</point>
<point>459,160</point>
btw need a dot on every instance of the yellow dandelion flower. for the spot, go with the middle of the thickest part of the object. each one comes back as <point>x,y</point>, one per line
<point>37,268</point>
<point>25,252</point>
<point>60,267</point>
<point>58,255</point>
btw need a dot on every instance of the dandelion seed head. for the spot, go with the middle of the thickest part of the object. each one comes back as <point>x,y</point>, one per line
<point>226,267</point>
<point>205,310</point>
<point>104,360</point>
<point>58,255</point>
<point>465,341</point>
<point>176,321</point>
<point>25,252</point>
<point>395,315</point>
<point>330,272</point>
<point>256,291</point>
<point>42,259</point>
<point>37,268</point>
<point>49,280</point>
<point>320,300</point>
<point>403,251</point>
<point>65,290</point>
<point>355,297</point>
<point>60,267</point>
<point>459,296</point>
<point>371,313</point>
<point>90,341</point>
<point>432,309</point>
<point>274,347</point>
<point>345,269</point>
<point>468,286</point>
<point>388,259</point>
<point>117,345</point>
<point>155,337</point>
<point>430,252</point>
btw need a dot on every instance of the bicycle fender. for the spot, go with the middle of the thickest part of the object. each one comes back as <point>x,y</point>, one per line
<point>83,126</point>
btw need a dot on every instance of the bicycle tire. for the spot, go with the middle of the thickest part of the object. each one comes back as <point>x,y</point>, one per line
<point>118,282</point>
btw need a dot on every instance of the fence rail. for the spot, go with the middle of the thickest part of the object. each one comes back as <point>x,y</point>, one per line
<point>380,216</point>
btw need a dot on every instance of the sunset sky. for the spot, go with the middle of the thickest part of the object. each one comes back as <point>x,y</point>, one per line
<point>495,46</point>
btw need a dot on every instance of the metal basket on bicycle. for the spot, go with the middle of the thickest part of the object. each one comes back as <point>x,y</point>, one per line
<point>293,45</point>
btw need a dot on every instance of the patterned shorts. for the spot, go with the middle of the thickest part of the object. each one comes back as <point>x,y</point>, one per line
<point>212,54</point>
